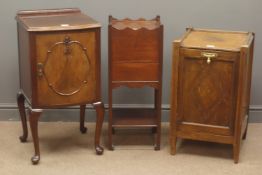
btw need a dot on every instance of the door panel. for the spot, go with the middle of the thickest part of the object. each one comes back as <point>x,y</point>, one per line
<point>130,45</point>
<point>135,72</point>
<point>65,68</point>
<point>207,90</point>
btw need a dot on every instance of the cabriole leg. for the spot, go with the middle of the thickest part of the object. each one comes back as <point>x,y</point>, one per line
<point>21,107</point>
<point>100,110</point>
<point>34,115</point>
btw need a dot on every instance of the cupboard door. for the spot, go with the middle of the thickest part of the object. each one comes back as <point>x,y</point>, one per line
<point>65,67</point>
<point>207,90</point>
<point>135,72</point>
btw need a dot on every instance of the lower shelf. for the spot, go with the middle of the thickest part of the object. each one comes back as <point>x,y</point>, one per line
<point>134,117</point>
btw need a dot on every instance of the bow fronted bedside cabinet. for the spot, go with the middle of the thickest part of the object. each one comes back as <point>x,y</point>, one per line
<point>211,80</point>
<point>135,61</point>
<point>59,65</point>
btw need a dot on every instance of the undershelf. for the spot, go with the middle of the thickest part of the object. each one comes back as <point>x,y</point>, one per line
<point>134,117</point>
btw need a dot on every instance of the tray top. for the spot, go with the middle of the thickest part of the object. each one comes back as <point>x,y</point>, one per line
<point>136,24</point>
<point>216,39</point>
<point>55,19</point>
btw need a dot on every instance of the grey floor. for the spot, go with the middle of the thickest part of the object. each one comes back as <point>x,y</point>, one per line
<point>65,151</point>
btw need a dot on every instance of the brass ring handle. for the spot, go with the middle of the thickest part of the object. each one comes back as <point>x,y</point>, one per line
<point>209,56</point>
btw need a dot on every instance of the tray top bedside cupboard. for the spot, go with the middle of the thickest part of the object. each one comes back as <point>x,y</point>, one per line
<point>211,78</point>
<point>59,65</point>
<point>135,61</point>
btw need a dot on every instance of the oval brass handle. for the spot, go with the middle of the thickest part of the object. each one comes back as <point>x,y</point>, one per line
<point>40,69</point>
<point>209,56</point>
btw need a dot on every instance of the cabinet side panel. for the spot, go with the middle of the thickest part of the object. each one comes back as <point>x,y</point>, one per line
<point>174,97</point>
<point>249,74</point>
<point>24,61</point>
<point>247,59</point>
<point>245,86</point>
<point>98,62</point>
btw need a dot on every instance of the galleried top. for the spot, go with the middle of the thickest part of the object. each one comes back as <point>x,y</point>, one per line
<point>55,19</point>
<point>136,24</point>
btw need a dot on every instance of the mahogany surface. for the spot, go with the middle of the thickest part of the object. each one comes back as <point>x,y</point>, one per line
<point>210,96</point>
<point>135,60</point>
<point>59,65</point>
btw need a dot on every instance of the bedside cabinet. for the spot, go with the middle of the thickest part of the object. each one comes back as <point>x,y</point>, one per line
<point>211,80</point>
<point>59,65</point>
<point>135,61</point>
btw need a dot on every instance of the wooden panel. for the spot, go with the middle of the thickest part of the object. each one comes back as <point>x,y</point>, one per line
<point>135,72</point>
<point>205,137</point>
<point>98,62</point>
<point>216,39</point>
<point>245,85</point>
<point>205,89</point>
<point>204,128</point>
<point>24,62</point>
<point>130,45</point>
<point>69,75</point>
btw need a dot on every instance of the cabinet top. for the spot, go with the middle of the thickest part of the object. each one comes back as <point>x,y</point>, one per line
<point>216,39</point>
<point>55,20</point>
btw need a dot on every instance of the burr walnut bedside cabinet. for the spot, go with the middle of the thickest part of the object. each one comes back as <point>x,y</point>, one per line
<point>211,80</point>
<point>59,63</point>
<point>135,61</point>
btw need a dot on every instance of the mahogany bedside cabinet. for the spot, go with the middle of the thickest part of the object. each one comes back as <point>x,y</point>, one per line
<point>59,63</point>
<point>211,80</point>
<point>135,61</point>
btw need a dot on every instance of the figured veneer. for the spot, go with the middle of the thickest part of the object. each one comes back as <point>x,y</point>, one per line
<point>211,80</point>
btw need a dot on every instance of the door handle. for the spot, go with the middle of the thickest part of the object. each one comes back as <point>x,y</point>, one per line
<point>40,71</point>
<point>209,56</point>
